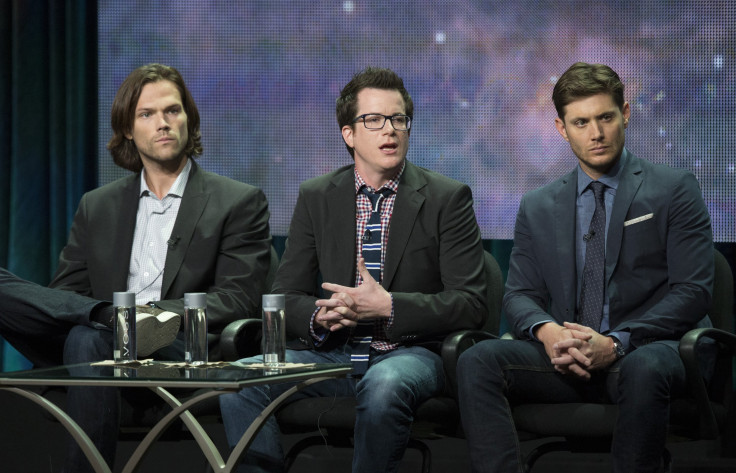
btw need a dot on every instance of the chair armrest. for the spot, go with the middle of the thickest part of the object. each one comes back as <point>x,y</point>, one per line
<point>692,359</point>
<point>452,347</point>
<point>241,339</point>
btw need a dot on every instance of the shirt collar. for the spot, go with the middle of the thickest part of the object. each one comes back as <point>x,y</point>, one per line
<point>177,189</point>
<point>610,179</point>
<point>392,184</point>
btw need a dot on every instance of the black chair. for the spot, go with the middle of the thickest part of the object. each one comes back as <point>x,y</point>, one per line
<point>588,427</point>
<point>332,419</point>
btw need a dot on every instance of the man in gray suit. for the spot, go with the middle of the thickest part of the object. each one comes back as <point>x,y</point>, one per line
<point>168,229</point>
<point>612,264</point>
<point>409,277</point>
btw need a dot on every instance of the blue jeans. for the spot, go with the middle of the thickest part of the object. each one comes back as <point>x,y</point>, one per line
<point>387,395</point>
<point>495,374</point>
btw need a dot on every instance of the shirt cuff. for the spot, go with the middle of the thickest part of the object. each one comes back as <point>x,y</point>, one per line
<point>390,321</point>
<point>531,329</point>
<point>622,337</point>
<point>319,333</point>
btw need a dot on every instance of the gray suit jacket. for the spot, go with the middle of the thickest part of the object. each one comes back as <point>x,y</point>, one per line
<point>434,257</point>
<point>659,270</point>
<point>222,247</point>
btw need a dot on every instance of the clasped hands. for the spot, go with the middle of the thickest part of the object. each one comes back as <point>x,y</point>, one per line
<point>348,305</point>
<point>576,349</point>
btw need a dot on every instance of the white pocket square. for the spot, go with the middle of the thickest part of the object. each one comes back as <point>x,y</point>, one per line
<point>638,219</point>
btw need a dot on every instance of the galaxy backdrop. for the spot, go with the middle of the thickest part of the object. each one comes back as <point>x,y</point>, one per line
<point>265,76</point>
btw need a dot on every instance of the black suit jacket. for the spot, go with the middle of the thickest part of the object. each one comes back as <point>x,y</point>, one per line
<point>659,269</point>
<point>222,247</point>
<point>433,264</point>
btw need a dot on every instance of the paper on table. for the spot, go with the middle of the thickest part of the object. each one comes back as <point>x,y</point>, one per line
<point>214,364</point>
<point>130,364</point>
<point>259,366</point>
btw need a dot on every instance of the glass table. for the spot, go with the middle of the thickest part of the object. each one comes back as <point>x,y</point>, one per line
<point>216,379</point>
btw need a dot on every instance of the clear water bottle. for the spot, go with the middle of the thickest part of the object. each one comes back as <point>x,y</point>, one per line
<point>195,328</point>
<point>274,330</point>
<point>123,330</point>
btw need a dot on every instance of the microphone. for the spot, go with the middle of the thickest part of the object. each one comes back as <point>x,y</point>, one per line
<point>366,236</point>
<point>588,236</point>
<point>173,241</point>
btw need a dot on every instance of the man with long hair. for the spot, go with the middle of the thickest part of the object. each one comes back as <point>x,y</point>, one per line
<point>165,230</point>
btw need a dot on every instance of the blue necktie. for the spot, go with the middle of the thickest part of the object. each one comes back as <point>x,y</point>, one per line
<point>372,241</point>
<point>591,292</point>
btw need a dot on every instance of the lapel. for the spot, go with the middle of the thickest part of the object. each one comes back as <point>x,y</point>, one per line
<point>631,178</point>
<point>406,208</point>
<point>124,210</point>
<point>564,224</point>
<point>340,226</point>
<point>192,206</point>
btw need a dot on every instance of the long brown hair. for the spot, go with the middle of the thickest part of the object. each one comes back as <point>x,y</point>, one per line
<point>124,152</point>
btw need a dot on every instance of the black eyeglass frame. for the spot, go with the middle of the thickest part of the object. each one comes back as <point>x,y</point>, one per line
<point>385,117</point>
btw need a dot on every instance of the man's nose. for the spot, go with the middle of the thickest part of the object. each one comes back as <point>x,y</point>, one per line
<point>388,128</point>
<point>163,123</point>
<point>596,130</point>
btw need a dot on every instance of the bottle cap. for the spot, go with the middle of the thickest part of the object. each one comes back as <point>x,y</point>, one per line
<point>274,301</point>
<point>123,299</point>
<point>195,300</point>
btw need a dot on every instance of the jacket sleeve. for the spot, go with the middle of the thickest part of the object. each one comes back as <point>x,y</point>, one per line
<point>682,294</point>
<point>431,302</point>
<point>526,296</point>
<point>298,276</point>
<point>231,262</point>
<point>72,272</point>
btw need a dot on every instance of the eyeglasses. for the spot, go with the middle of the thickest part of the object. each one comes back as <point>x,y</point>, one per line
<point>376,121</point>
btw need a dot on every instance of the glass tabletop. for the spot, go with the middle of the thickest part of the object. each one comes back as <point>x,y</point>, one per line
<point>170,374</point>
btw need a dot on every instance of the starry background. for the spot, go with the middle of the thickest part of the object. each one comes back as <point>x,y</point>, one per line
<point>265,76</point>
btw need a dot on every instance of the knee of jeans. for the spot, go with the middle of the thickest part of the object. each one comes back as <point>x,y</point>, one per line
<point>85,344</point>
<point>227,403</point>
<point>643,369</point>
<point>245,399</point>
<point>478,357</point>
<point>385,389</point>
<point>467,363</point>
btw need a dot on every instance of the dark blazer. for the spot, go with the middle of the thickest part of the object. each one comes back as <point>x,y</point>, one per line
<point>222,247</point>
<point>433,264</point>
<point>659,271</point>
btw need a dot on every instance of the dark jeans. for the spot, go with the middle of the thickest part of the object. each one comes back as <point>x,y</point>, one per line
<point>495,374</point>
<point>36,319</point>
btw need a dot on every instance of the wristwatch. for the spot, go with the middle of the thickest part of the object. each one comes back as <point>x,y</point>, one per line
<point>618,348</point>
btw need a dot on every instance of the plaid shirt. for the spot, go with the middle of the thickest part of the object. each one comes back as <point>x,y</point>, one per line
<point>362,215</point>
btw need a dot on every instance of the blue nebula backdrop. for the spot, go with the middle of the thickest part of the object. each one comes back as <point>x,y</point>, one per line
<point>265,76</point>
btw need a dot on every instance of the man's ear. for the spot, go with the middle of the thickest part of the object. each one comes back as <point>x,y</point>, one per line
<point>560,125</point>
<point>347,135</point>
<point>626,112</point>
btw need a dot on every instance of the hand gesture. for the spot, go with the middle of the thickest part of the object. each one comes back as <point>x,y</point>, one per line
<point>585,352</point>
<point>348,305</point>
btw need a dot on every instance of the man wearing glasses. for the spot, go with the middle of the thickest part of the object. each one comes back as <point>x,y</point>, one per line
<point>400,254</point>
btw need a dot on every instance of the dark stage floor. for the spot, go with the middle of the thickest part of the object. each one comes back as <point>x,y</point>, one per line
<point>29,442</point>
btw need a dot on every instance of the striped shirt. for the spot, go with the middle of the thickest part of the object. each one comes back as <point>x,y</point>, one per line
<point>154,222</point>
